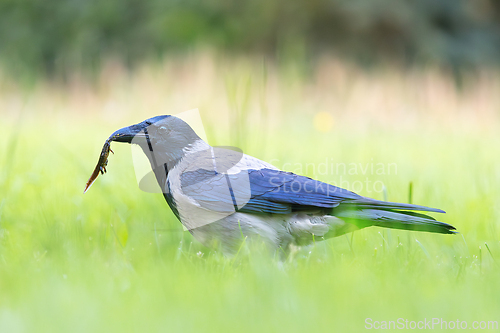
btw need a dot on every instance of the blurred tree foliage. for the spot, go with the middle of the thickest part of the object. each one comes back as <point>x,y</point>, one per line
<point>50,35</point>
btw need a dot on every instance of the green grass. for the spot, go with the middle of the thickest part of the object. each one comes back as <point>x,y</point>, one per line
<point>116,259</point>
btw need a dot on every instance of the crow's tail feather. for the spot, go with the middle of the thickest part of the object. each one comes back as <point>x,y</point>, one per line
<point>388,218</point>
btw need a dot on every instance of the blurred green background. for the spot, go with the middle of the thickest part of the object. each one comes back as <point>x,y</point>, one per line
<point>408,83</point>
<point>53,36</point>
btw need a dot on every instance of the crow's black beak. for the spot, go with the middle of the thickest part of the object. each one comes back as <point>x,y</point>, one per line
<point>127,134</point>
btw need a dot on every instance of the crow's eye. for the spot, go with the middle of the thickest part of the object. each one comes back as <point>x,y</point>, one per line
<point>162,130</point>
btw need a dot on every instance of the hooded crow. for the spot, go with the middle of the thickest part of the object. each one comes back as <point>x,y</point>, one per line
<point>223,196</point>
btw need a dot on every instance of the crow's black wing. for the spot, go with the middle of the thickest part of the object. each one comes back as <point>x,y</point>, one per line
<point>264,190</point>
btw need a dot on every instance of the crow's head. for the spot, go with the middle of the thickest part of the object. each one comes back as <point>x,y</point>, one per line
<point>161,132</point>
<point>164,139</point>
